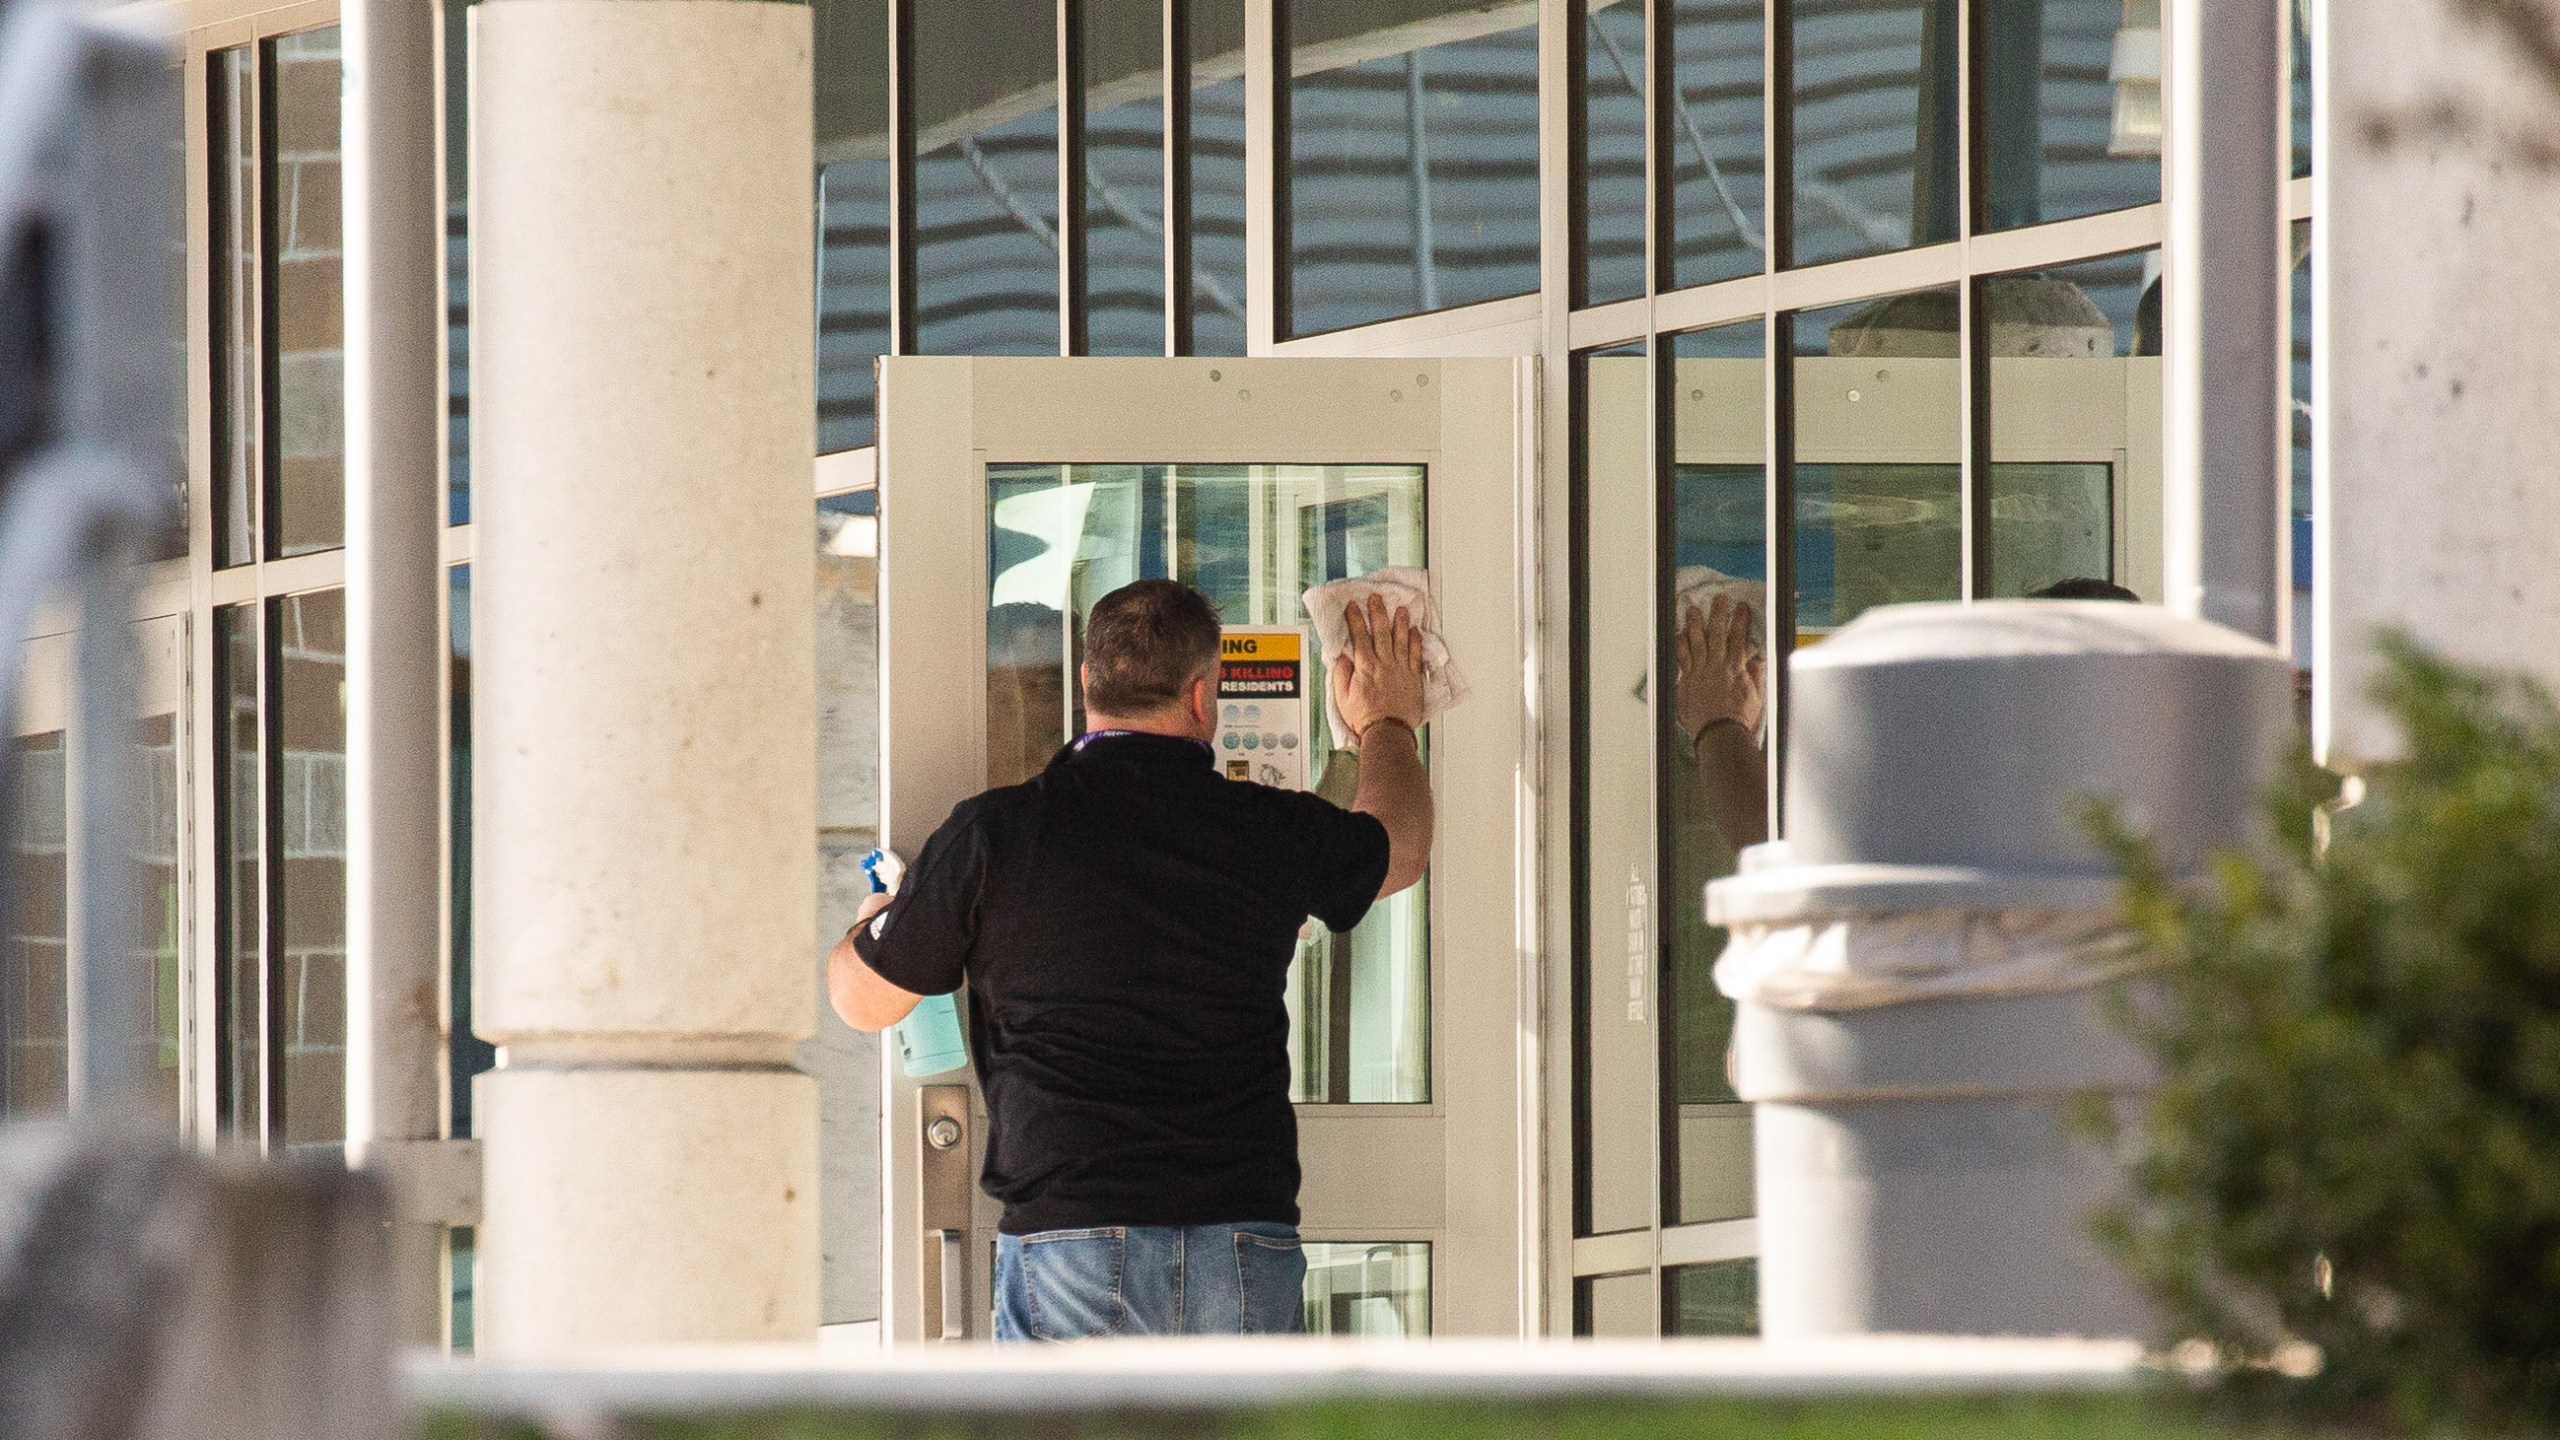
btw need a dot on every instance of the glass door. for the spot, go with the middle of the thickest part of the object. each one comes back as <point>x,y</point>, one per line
<point>1253,538</point>
<point>1015,493</point>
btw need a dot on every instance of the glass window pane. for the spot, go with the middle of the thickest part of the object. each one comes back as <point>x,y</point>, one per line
<point>1718,1299</point>
<point>1217,176</point>
<point>466,1054</point>
<point>2057,141</point>
<point>1873,109</point>
<point>2299,75</point>
<point>986,117</point>
<point>307,492</point>
<point>1611,648</point>
<point>1124,176</point>
<point>846,1063</point>
<point>231,200</point>
<point>1377,1289</point>
<point>852,52</point>
<point>307,646</point>
<point>457,264</point>
<point>37,1013</point>
<point>1608,161</point>
<point>1714,155</point>
<point>1714,596</point>
<point>1616,1307</point>
<point>2304,516</point>
<point>156,952</point>
<point>239,849</point>
<point>1412,159</point>
<point>1878,436</point>
<point>462,1266</point>
<point>2074,414</point>
<point>1253,538</point>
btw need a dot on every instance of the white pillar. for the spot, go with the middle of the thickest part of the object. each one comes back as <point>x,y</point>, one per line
<point>2437,352</point>
<point>645,735</point>
<point>2224,369</point>
<point>395,413</point>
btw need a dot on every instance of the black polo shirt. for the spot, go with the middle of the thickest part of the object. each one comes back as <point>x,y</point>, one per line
<point>1125,922</point>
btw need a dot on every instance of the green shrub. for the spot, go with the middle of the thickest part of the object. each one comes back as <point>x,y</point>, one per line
<point>2357,1139</point>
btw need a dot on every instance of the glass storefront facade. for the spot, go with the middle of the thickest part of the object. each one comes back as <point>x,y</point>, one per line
<point>1838,303</point>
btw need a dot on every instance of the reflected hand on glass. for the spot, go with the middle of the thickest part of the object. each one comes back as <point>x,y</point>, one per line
<point>1378,676</point>
<point>1723,675</point>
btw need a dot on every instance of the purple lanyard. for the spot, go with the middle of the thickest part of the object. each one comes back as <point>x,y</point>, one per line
<point>1090,736</point>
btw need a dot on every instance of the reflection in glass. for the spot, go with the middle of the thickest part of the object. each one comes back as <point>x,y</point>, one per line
<point>1412,160</point>
<point>1375,1289</point>
<point>1878,440</point>
<point>1608,161</point>
<point>156,860</point>
<point>2073,410</point>
<point>1711,598</point>
<point>1714,156</point>
<point>986,178</point>
<point>1612,794</point>
<point>231,201</point>
<point>851,40</point>
<point>2298,73</point>
<point>2055,142</point>
<point>1873,109</point>
<point>1123,177</point>
<point>2051,522</point>
<point>308,647</point>
<point>37,1013</point>
<point>466,1054</point>
<point>1616,1307</point>
<point>457,264</point>
<point>1217,176</point>
<point>846,1063</point>
<point>463,1266</point>
<point>2303,513</point>
<point>1253,538</point>
<point>1718,1299</point>
<point>239,849</point>
<point>307,369</point>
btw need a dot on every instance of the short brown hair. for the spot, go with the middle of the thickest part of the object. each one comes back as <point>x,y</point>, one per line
<point>1144,644</point>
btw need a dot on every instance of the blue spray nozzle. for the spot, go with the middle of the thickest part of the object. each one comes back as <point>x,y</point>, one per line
<point>885,869</point>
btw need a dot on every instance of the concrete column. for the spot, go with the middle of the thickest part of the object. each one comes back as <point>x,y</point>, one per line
<point>644,802</point>
<point>2435,319</point>
<point>2224,371</point>
<point>395,413</point>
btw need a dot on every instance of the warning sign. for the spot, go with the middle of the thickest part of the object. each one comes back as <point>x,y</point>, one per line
<point>1263,705</point>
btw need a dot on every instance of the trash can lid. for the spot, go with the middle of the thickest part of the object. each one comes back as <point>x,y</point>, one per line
<point>1937,631</point>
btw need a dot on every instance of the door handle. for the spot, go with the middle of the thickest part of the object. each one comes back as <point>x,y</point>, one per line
<point>943,1217</point>
<point>954,1248</point>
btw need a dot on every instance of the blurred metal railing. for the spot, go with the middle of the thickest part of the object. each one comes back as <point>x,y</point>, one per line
<point>144,1290</point>
<point>90,206</point>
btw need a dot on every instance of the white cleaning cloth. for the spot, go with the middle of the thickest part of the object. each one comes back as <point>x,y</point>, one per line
<point>1699,585</point>
<point>1401,587</point>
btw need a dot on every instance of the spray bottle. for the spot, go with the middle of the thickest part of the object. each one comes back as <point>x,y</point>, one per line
<point>929,1039</point>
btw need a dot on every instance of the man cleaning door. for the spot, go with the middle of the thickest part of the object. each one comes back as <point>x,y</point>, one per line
<point>1125,922</point>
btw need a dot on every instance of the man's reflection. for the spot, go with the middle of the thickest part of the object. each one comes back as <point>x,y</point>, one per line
<point>1719,699</point>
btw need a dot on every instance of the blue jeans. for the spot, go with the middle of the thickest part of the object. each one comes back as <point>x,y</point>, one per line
<point>1150,1280</point>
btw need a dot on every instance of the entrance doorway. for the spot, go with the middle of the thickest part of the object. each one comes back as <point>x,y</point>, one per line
<point>1016,492</point>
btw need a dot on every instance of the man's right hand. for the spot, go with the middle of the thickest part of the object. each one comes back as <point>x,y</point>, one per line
<point>1378,676</point>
